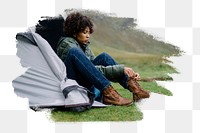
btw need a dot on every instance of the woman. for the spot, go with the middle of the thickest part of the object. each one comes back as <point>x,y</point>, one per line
<point>95,72</point>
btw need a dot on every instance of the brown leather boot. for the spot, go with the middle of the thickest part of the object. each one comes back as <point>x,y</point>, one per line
<point>111,96</point>
<point>138,92</point>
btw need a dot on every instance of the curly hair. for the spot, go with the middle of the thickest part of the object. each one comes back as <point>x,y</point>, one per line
<point>75,23</point>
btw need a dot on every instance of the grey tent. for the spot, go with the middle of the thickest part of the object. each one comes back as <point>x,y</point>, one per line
<point>45,83</point>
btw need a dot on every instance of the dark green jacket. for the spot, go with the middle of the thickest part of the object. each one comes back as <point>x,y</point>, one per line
<point>65,43</point>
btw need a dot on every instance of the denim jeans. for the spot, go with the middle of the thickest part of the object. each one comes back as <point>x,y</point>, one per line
<point>81,69</point>
<point>105,59</point>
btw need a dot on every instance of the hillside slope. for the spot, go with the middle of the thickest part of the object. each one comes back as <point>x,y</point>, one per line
<point>121,33</point>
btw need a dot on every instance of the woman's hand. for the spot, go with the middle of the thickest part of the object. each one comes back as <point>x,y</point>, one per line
<point>137,76</point>
<point>129,71</point>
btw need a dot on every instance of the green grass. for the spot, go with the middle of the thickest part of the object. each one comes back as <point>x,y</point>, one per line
<point>111,113</point>
<point>147,65</point>
<point>155,88</point>
<point>133,48</point>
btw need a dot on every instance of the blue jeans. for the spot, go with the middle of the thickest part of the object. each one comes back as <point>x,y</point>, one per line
<point>81,69</point>
<point>105,59</point>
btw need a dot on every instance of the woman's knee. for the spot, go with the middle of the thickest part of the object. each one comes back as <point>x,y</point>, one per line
<point>109,60</point>
<point>105,55</point>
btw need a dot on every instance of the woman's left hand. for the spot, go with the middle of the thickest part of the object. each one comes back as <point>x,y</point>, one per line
<point>137,76</point>
<point>131,73</point>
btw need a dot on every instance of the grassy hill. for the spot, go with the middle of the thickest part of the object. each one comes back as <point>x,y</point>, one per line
<point>134,48</point>
<point>121,33</point>
<point>130,46</point>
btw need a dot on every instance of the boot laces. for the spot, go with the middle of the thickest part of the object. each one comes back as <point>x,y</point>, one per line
<point>114,92</point>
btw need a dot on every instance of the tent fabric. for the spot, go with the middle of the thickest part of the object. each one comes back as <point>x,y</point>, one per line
<point>45,80</point>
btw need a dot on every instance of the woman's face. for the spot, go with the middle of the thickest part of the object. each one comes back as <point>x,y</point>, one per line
<point>83,36</point>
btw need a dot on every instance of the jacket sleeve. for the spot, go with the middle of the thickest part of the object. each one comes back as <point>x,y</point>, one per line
<point>63,48</point>
<point>92,57</point>
<point>111,72</point>
<point>89,53</point>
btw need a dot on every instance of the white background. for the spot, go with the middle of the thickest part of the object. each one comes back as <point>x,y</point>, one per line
<point>181,37</point>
